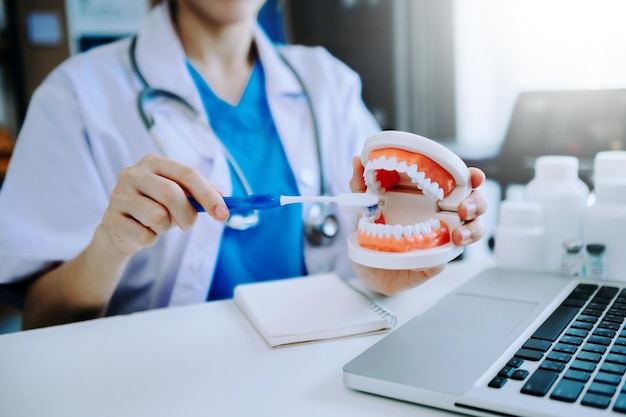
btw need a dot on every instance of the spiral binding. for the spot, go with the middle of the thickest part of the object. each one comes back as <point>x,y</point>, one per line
<point>380,309</point>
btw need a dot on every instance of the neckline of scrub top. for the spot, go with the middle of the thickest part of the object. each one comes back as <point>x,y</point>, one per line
<point>274,248</point>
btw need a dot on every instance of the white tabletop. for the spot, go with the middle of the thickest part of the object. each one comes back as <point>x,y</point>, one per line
<point>201,360</point>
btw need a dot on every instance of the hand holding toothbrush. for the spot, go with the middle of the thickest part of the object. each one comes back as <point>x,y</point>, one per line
<point>150,198</point>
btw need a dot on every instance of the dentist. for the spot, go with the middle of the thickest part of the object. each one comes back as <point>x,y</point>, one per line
<point>94,214</point>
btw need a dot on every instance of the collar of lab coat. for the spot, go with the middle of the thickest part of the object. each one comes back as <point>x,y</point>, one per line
<point>158,43</point>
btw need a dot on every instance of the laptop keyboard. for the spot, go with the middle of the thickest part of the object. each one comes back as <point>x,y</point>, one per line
<point>580,350</point>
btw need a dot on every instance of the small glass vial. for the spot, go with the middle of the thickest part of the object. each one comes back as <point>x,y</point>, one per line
<point>595,265</point>
<point>572,261</point>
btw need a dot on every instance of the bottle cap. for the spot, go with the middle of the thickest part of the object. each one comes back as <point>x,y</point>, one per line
<point>609,165</point>
<point>611,190</point>
<point>573,246</point>
<point>525,214</point>
<point>595,248</point>
<point>556,167</point>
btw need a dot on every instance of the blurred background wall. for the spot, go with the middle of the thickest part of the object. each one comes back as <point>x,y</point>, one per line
<point>451,70</point>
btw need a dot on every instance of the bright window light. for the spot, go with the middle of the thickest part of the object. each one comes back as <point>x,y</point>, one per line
<point>508,46</point>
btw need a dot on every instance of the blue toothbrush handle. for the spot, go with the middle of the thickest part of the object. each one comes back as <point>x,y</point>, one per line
<point>195,204</point>
<point>252,202</point>
<point>245,203</point>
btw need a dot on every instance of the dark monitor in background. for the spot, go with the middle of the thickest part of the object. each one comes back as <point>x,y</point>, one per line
<point>87,42</point>
<point>580,123</point>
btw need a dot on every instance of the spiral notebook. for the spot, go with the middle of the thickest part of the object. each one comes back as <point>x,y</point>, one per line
<point>312,308</point>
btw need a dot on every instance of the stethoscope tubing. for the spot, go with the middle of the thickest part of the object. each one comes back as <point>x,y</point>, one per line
<point>147,92</point>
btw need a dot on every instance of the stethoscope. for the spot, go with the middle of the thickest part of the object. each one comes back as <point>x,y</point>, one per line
<point>321,224</point>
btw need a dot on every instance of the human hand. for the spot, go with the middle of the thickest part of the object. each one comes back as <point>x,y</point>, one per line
<point>389,282</point>
<point>151,197</point>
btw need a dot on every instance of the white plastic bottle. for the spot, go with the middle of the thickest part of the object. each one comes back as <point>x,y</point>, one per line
<point>605,222</point>
<point>563,198</point>
<point>519,236</point>
<point>609,165</point>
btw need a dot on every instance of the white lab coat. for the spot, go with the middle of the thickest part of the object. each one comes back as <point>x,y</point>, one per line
<point>82,128</point>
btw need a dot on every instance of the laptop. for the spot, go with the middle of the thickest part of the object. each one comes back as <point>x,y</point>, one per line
<point>508,343</point>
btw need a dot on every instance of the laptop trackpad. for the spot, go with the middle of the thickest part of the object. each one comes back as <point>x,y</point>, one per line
<point>478,315</point>
<point>450,346</point>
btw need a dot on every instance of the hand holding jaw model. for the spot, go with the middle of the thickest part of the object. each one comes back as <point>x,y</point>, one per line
<point>421,185</point>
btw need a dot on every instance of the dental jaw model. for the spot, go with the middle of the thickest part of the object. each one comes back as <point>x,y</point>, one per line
<point>420,184</point>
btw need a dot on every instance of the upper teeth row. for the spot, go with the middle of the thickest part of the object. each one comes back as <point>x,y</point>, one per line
<point>430,189</point>
<point>398,231</point>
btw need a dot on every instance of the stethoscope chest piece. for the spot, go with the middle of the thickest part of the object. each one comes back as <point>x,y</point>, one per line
<point>321,225</point>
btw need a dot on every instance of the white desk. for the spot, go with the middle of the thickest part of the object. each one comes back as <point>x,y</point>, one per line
<point>202,360</point>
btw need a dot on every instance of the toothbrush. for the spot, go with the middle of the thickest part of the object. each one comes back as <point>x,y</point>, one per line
<point>369,202</point>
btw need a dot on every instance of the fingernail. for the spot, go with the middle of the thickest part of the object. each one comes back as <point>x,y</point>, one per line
<point>471,208</point>
<point>221,212</point>
<point>466,234</point>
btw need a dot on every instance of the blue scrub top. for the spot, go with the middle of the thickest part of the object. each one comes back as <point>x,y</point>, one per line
<point>274,248</point>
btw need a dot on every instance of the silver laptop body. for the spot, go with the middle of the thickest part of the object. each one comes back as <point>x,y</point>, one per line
<point>447,356</point>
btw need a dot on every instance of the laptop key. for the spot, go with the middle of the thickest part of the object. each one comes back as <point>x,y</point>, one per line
<point>613,368</point>
<point>592,312</point>
<point>520,375</point>
<point>582,325</point>
<point>615,358</point>
<point>515,362</point>
<point>587,319</point>
<point>576,332</point>
<point>602,389</point>
<point>620,350</point>
<point>613,319</point>
<point>559,357</point>
<point>571,340</point>
<point>589,357</point>
<point>575,375</point>
<point>583,291</point>
<point>556,323</point>
<point>595,400</point>
<point>592,347</point>
<point>531,355</point>
<point>599,340</point>
<point>614,311</point>
<point>583,366</point>
<point>607,291</point>
<point>609,325</point>
<point>565,348</point>
<point>552,366</point>
<point>608,378</point>
<point>567,390</point>
<point>536,344</point>
<point>620,404</point>
<point>574,302</point>
<point>506,372</point>
<point>605,332</point>
<point>497,382</point>
<point>539,382</point>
